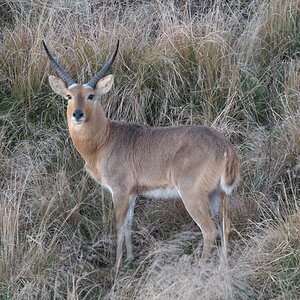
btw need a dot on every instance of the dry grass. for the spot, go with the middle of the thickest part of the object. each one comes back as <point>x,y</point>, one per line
<point>228,64</point>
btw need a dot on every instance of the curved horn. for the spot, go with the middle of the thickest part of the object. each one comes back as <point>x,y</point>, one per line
<point>63,74</point>
<point>92,83</point>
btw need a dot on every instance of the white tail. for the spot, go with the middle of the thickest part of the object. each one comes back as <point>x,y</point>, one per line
<point>195,163</point>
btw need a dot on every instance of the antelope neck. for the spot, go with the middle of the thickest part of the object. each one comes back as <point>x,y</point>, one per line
<point>91,136</point>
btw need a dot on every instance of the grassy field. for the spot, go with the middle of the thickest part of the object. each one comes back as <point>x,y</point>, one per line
<point>233,65</point>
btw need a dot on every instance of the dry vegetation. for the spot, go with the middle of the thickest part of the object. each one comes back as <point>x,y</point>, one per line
<point>229,64</point>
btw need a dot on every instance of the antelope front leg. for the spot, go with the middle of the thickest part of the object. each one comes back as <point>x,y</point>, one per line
<point>127,228</point>
<point>124,205</point>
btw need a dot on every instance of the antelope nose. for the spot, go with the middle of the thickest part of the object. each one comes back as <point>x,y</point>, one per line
<point>78,114</point>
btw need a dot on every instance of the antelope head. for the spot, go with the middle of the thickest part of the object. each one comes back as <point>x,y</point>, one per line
<point>81,97</point>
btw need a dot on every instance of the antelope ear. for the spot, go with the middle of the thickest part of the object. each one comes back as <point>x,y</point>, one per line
<point>58,86</point>
<point>104,85</point>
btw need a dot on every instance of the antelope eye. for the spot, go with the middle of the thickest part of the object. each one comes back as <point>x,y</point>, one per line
<point>90,96</point>
<point>69,97</point>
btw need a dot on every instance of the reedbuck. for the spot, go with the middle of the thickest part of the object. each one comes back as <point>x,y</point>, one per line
<point>194,163</point>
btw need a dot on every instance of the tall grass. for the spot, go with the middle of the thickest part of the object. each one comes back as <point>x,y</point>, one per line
<point>232,65</point>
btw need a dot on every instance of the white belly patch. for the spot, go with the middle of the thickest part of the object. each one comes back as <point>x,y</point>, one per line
<point>162,193</point>
<point>107,187</point>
